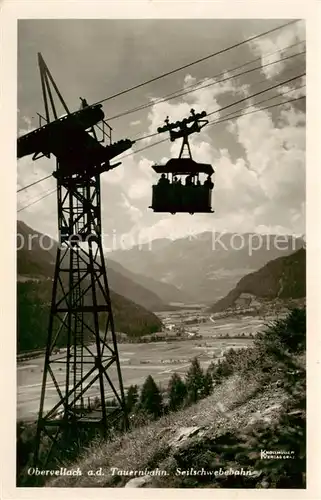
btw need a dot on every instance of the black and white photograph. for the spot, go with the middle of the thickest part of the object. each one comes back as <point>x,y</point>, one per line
<point>161,253</point>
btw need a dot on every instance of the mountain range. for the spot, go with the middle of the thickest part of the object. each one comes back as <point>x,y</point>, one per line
<point>142,290</point>
<point>205,267</point>
<point>35,269</point>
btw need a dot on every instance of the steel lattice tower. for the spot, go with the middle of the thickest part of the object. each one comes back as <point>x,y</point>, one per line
<point>82,382</point>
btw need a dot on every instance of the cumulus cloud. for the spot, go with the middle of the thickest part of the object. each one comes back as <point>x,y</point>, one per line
<point>259,170</point>
<point>116,175</point>
<point>273,48</point>
<point>133,212</point>
<point>141,179</point>
<point>262,188</point>
<point>29,171</point>
<point>139,189</point>
<point>294,91</point>
<point>205,98</point>
<point>28,126</point>
<point>276,155</point>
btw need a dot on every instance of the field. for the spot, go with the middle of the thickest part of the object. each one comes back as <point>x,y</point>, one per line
<point>160,359</point>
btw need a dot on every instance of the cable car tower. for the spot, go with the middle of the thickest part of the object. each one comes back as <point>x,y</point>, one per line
<point>81,361</point>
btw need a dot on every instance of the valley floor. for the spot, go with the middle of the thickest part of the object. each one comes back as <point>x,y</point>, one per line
<point>159,359</point>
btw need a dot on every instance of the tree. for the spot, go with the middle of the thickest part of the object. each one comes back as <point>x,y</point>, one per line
<point>208,384</point>
<point>286,335</point>
<point>194,381</point>
<point>151,399</point>
<point>131,397</point>
<point>176,392</point>
<point>217,373</point>
<point>211,369</point>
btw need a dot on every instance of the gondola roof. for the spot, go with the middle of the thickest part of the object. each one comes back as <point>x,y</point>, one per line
<point>184,166</point>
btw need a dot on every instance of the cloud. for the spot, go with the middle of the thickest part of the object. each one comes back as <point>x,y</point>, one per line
<point>189,80</point>
<point>276,155</point>
<point>294,92</point>
<point>264,186</point>
<point>133,212</point>
<point>135,122</point>
<point>30,171</point>
<point>141,180</point>
<point>204,98</point>
<point>291,116</point>
<point>259,163</point>
<point>140,189</point>
<point>268,48</point>
<point>116,175</point>
<point>28,126</point>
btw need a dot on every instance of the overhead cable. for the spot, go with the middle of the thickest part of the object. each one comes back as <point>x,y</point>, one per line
<point>197,61</point>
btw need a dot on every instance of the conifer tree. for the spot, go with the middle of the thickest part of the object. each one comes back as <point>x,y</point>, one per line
<point>131,397</point>
<point>176,392</point>
<point>208,384</point>
<point>151,399</point>
<point>194,381</point>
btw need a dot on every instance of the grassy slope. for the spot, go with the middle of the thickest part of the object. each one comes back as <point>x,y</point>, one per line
<point>259,404</point>
<point>229,408</point>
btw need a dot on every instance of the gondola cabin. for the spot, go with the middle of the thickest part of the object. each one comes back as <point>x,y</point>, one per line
<point>179,188</point>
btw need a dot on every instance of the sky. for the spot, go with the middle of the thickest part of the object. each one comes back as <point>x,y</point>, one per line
<point>258,158</point>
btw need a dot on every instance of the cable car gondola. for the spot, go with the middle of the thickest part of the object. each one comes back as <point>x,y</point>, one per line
<point>179,188</point>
